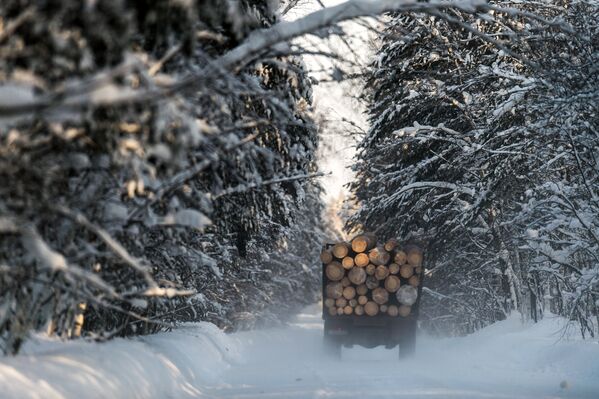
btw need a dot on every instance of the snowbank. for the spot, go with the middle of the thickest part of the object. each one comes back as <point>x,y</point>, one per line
<point>175,364</point>
<point>509,359</point>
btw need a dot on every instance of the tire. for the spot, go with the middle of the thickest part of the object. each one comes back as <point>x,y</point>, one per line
<point>407,343</point>
<point>332,346</point>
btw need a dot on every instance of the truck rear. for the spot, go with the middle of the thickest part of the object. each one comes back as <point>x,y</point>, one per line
<point>371,293</point>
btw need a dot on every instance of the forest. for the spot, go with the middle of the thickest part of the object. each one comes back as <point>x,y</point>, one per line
<point>159,161</point>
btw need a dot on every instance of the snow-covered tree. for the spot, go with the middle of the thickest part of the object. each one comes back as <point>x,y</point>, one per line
<point>469,116</point>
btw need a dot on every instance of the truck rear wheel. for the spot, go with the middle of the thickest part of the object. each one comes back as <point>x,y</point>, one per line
<point>332,346</point>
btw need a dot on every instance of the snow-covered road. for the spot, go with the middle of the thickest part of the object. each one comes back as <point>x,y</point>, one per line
<point>506,360</point>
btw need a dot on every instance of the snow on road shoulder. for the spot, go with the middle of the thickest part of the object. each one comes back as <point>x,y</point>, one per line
<point>509,359</point>
<point>166,365</point>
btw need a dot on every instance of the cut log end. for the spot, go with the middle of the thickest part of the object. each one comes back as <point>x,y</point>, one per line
<point>349,292</point>
<point>370,269</point>
<point>406,271</point>
<point>362,289</point>
<point>334,271</point>
<point>334,290</point>
<point>361,260</point>
<point>371,308</point>
<point>381,272</point>
<point>347,262</point>
<point>392,283</point>
<point>400,257</point>
<point>357,275</point>
<point>380,295</point>
<point>414,281</point>
<point>348,310</point>
<point>393,310</point>
<point>326,256</point>
<point>341,250</point>
<point>404,310</point>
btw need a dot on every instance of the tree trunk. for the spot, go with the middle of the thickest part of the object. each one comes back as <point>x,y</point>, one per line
<point>348,310</point>
<point>362,299</point>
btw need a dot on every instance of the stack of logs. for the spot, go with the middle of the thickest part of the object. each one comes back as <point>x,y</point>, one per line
<point>366,278</point>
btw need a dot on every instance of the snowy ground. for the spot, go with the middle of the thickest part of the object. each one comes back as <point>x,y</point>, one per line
<point>506,360</point>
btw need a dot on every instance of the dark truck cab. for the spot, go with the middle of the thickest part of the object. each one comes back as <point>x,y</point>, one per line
<point>370,331</point>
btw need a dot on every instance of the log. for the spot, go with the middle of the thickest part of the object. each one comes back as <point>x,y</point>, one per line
<point>415,256</point>
<point>341,302</point>
<point>345,282</point>
<point>357,275</point>
<point>361,289</point>
<point>380,295</point>
<point>326,256</point>
<point>329,302</point>
<point>371,308</point>
<point>347,262</point>
<point>392,283</point>
<point>390,245</point>
<point>383,308</point>
<point>353,303</point>
<point>370,269</point>
<point>339,311</point>
<point>341,250</point>
<point>406,271</point>
<point>334,290</point>
<point>363,242</point>
<point>393,268</point>
<point>349,292</point>
<point>378,256</point>
<point>400,257</point>
<point>332,310</point>
<point>393,310</point>
<point>372,282</point>
<point>348,310</point>
<point>334,271</point>
<point>381,272</point>
<point>361,260</point>
<point>359,310</point>
<point>362,299</point>
<point>404,310</point>
<point>407,295</point>
<point>414,281</point>
<point>418,269</point>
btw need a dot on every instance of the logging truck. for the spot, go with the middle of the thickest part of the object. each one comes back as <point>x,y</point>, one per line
<point>371,293</point>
